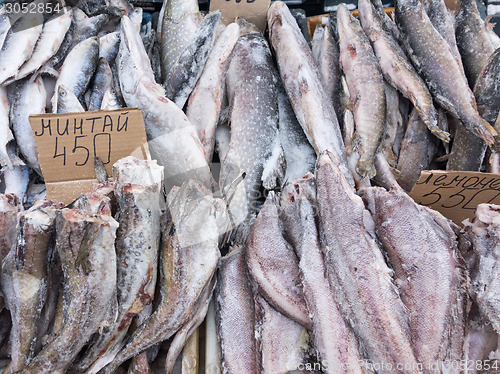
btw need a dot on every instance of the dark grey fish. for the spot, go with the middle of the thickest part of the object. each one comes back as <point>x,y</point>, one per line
<point>184,73</point>
<point>430,53</point>
<point>102,80</point>
<point>301,19</point>
<point>418,149</point>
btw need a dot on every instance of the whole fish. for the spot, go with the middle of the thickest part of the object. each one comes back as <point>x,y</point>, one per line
<point>472,40</point>
<point>335,342</point>
<point>329,66</point>
<point>267,255</point>
<point>179,22</point>
<point>298,152</point>
<point>19,44</point>
<point>170,135</point>
<point>30,98</point>
<point>396,67</point>
<point>189,258</point>
<point>204,104</point>
<point>254,127</point>
<point>85,245</point>
<point>138,191</point>
<point>316,42</point>
<point>51,38</point>
<point>283,341</point>
<point>101,82</point>
<point>417,151</point>
<point>366,89</point>
<point>419,242</point>
<point>303,84</point>
<point>29,280</point>
<point>235,309</point>
<point>483,234</point>
<point>185,72</point>
<point>355,251</point>
<point>5,132</point>
<point>429,52</point>
<point>78,68</point>
<point>67,102</point>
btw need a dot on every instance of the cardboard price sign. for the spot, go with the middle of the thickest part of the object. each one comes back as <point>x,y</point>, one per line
<point>254,11</point>
<point>456,194</point>
<point>67,144</point>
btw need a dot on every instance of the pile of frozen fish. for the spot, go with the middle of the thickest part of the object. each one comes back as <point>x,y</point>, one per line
<point>273,210</point>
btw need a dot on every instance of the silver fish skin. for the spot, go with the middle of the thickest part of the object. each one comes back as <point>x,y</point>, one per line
<point>4,27</point>
<point>30,98</point>
<point>366,89</point>
<point>5,131</point>
<point>283,341</point>
<point>417,247</point>
<point>16,178</point>
<point>204,104</point>
<point>417,151</point>
<point>51,38</point>
<point>78,68</point>
<point>397,68</point>
<point>300,156</point>
<point>483,233</point>
<point>472,40</point>
<point>109,45</point>
<point>19,44</point>
<point>182,336</point>
<point>185,72</point>
<point>481,339</point>
<point>101,82</point>
<point>67,102</point>
<point>316,41</point>
<point>85,245</point>
<point>335,343</point>
<point>429,52</point>
<point>29,280</point>
<point>250,81</point>
<point>302,81</point>
<point>179,23</point>
<point>170,134</point>
<point>329,66</point>
<point>189,258</point>
<point>235,313</point>
<point>138,190</point>
<point>356,251</point>
<point>267,255</point>
<point>110,100</point>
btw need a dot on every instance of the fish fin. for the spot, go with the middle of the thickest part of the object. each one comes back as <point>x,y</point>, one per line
<point>433,127</point>
<point>352,145</point>
<point>485,131</point>
<point>351,104</point>
<point>489,25</point>
<point>442,158</point>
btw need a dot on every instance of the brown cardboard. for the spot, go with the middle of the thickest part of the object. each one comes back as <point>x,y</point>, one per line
<point>66,145</point>
<point>254,11</point>
<point>456,194</point>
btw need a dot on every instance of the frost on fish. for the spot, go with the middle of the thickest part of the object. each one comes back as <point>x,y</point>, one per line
<point>85,245</point>
<point>189,257</point>
<point>484,232</point>
<point>273,265</point>
<point>5,132</point>
<point>432,280</point>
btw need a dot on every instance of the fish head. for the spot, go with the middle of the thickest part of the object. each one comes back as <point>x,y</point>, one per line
<point>348,26</point>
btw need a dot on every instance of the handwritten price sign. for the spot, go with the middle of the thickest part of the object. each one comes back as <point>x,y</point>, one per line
<point>456,194</point>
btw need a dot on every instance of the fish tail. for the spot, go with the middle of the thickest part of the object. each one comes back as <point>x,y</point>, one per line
<point>441,134</point>
<point>366,168</point>
<point>485,131</point>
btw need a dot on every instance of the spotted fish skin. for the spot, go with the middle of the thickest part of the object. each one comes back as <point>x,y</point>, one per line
<point>253,113</point>
<point>180,20</point>
<point>430,53</point>
<point>366,89</point>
